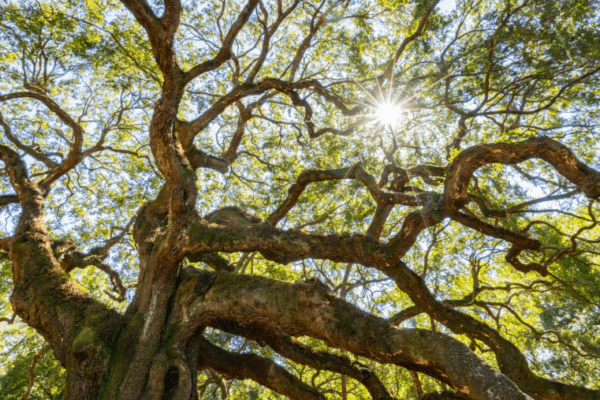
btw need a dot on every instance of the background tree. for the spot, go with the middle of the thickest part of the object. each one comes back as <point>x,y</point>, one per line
<point>331,199</point>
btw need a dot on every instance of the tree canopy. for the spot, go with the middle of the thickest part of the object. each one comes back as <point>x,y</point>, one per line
<point>328,199</point>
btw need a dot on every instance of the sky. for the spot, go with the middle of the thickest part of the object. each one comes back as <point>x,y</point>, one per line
<point>447,6</point>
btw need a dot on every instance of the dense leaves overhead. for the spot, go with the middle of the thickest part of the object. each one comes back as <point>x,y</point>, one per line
<point>203,199</point>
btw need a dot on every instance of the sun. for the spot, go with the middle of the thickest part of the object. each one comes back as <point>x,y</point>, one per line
<point>387,114</point>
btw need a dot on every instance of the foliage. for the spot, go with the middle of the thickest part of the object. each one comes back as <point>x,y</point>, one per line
<point>482,72</point>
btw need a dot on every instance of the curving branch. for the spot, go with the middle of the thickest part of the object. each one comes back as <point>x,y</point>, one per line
<point>308,309</point>
<point>434,207</point>
<point>503,213</point>
<point>404,175</point>
<point>214,260</point>
<point>161,34</point>
<point>251,366</point>
<point>10,320</point>
<point>379,218</point>
<point>187,130</point>
<point>467,300</point>
<point>461,169</point>
<point>75,153</point>
<point>28,194</point>
<point>33,151</point>
<point>518,239</point>
<point>293,350</point>
<point>382,197</point>
<point>268,32</point>
<point>42,296</point>
<point>70,261</point>
<point>511,361</point>
<point>282,246</point>
<point>224,53</point>
<point>138,355</point>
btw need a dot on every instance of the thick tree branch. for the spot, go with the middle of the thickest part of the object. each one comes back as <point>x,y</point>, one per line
<point>404,175</point>
<point>518,239</point>
<point>161,33</point>
<point>378,222</point>
<point>559,156</point>
<point>251,366</point>
<point>293,350</point>
<point>512,362</point>
<point>284,246</point>
<point>7,199</point>
<point>42,296</point>
<point>199,159</point>
<point>214,260</point>
<point>307,309</point>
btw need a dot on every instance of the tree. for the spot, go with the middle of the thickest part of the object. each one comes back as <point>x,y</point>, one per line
<point>328,198</point>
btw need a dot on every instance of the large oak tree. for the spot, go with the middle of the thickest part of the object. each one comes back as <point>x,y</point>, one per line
<point>330,198</point>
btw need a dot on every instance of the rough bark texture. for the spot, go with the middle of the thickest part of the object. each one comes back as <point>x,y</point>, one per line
<point>155,350</point>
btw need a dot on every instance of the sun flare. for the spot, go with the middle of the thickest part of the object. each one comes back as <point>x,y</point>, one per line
<point>387,114</point>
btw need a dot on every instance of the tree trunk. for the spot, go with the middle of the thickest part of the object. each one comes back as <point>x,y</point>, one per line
<point>155,350</point>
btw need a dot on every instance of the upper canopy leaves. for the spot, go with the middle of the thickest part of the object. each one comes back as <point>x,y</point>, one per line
<point>123,123</point>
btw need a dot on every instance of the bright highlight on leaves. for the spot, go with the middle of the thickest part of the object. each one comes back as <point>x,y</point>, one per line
<point>196,183</point>
<point>388,114</point>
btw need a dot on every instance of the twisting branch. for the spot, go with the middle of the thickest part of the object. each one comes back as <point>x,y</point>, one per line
<point>379,218</point>
<point>491,212</point>
<point>300,245</point>
<point>161,33</point>
<point>10,320</point>
<point>30,150</point>
<point>79,260</point>
<point>102,251</point>
<point>511,361</point>
<point>251,366</point>
<point>383,197</point>
<point>417,383</point>
<point>404,175</point>
<point>293,350</point>
<point>133,356</point>
<point>70,259</point>
<point>75,153</point>
<point>225,51</point>
<point>467,300</point>
<point>54,296</point>
<point>188,130</point>
<point>560,157</point>
<point>461,170</point>
<point>250,300</point>
<point>214,260</point>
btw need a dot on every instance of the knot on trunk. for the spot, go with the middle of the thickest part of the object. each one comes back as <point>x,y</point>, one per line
<point>232,216</point>
<point>204,283</point>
